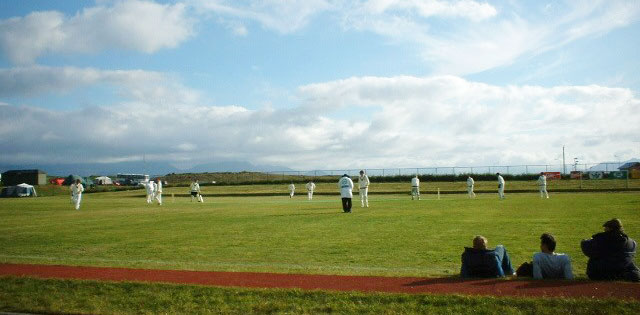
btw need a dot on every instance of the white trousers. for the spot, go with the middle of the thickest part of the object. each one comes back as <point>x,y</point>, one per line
<point>310,194</point>
<point>543,191</point>
<point>150,198</point>
<point>158,197</point>
<point>291,193</point>
<point>415,192</point>
<point>364,196</point>
<point>501,192</point>
<point>76,201</point>
<point>470,192</point>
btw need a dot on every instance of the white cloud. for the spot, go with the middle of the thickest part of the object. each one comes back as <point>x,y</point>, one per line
<point>132,25</point>
<point>415,122</point>
<point>154,87</point>
<point>281,16</point>
<point>495,38</point>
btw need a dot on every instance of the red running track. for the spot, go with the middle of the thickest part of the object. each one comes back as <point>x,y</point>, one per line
<point>494,287</point>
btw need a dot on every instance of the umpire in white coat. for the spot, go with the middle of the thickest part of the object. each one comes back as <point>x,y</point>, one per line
<point>151,188</point>
<point>346,192</point>
<point>158,192</point>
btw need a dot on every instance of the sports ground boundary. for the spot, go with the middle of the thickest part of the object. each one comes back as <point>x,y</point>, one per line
<point>409,285</point>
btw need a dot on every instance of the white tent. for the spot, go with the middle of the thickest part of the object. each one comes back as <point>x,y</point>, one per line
<point>21,190</point>
<point>103,180</point>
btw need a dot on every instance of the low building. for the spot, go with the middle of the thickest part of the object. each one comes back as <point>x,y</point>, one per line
<point>632,167</point>
<point>31,177</point>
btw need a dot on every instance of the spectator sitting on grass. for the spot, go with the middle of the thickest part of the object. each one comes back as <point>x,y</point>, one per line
<point>549,265</point>
<point>611,254</point>
<point>480,262</point>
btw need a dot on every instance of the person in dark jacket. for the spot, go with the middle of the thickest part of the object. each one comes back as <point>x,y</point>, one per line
<point>480,262</point>
<point>611,254</point>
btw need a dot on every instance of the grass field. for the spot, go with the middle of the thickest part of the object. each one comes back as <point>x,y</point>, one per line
<point>395,236</point>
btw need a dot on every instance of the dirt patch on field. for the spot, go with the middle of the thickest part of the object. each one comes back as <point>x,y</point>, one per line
<point>495,287</point>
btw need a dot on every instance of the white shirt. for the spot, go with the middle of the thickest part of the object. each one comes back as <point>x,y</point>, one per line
<point>311,186</point>
<point>363,181</point>
<point>76,189</point>
<point>415,182</point>
<point>292,187</point>
<point>542,180</point>
<point>195,187</point>
<point>346,187</point>
<point>159,187</point>
<point>500,180</point>
<point>470,182</point>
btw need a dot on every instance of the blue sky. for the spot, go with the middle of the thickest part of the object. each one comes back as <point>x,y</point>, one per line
<point>319,84</point>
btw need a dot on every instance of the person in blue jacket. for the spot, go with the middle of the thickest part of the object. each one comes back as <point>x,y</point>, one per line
<point>481,262</point>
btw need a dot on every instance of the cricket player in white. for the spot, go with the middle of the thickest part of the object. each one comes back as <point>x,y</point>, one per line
<point>158,191</point>
<point>346,192</point>
<point>195,191</point>
<point>500,186</point>
<point>310,187</point>
<point>363,184</point>
<point>470,183</point>
<point>542,185</point>
<point>150,187</point>
<point>292,190</point>
<point>76,193</point>
<point>415,188</point>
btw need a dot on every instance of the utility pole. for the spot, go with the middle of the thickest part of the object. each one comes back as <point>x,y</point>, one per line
<point>564,164</point>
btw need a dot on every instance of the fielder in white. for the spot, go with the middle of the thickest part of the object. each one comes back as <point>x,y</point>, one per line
<point>363,184</point>
<point>195,191</point>
<point>292,190</point>
<point>500,186</point>
<point>76,193</point>
<point>542,185</point>
<point>470,183</point>
<point>415,188</point>
<point>310,187</point>
<point>158,191</point>
<point>150,188</point>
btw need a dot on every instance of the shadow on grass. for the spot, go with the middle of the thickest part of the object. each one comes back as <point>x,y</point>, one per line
<point>306,213</point>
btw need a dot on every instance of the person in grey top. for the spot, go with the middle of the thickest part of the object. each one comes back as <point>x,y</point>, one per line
<point>549,265</point>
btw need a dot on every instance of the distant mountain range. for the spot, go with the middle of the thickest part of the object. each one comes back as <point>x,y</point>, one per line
<point>151,168</point>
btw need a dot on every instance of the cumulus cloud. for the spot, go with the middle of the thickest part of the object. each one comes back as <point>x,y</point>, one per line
<point>414,122</point>
<point>131,25</point>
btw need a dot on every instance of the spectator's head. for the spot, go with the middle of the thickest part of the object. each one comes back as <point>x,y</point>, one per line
<point>541,173</point>
<point>78,181</point>
<point>547,243</point>
<point>479,242</point>
<point>613,225</point>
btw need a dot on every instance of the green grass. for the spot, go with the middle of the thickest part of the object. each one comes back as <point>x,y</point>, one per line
<point>91,297</point>
<point>276,234</point>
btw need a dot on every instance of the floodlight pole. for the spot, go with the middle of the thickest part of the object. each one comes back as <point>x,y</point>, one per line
<point>564,164</point>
